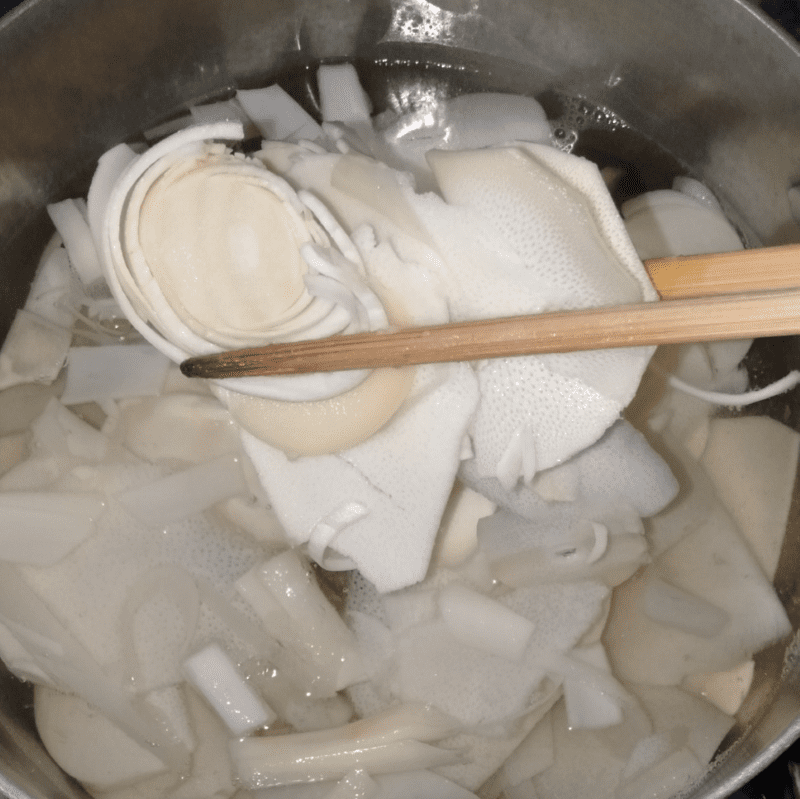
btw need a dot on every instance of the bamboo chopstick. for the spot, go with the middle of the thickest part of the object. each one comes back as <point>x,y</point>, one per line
<point>752,293</point>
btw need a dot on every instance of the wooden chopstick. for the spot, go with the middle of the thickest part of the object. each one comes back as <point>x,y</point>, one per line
<point>752,293</point>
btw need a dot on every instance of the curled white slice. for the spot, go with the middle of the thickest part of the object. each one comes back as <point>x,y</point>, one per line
<point>207,250</point>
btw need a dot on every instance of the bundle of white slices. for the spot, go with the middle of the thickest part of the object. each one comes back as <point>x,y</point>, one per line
<point>441,581</point>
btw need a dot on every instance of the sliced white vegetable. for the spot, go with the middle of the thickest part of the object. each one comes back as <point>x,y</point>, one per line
<point>384,743</point>
<point>428,784</point>
<point>78,240</point>
<point>664,223</point>
<point>33,351</point>
<point>340,94</point>
<point>49,296</point>
<point>752,462</point>
<point>215,675</point>
<point>665,779</point>
<point>109,168</point>
<point>277,115</point>
<point>70,666</point>
<point>592,698</point>
<point>224,111</point>
<point>696,723</point>
<point>186,492</point>
<point>475,620</point>
<point>458,531</point>
<point>88,745</point>
<point>357,784</point>
<point>293,704</point>
<point>532,756</point>
<point>184,427</point>
<point>714,564</point>
<point>263,762</point>
<point>580,767</point>
<point>42,528</point>
<point>19,661</point>
<point>666,604</point>
<point>287,598</point>
<point>59,431</point>
<point>726,689</point>
<point>95,374</point>
<point>13,450</point>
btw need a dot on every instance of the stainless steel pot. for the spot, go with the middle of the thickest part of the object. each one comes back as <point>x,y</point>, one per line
<point>714,84</point>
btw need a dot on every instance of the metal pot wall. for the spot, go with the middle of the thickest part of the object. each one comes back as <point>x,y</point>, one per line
<point>711,82</point>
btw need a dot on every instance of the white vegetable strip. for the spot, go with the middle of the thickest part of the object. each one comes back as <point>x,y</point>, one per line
<point>341,97</point>
<point>78,240</point>
<point>40,528</point>
<point>739,400</point>
<point>214,674</point>
<point>185,493</point>
<point>109,168</point>
<point>355,785</point>
<point>288,600</point>
<point>480,622</point>
<point>96,374</point>
<point>277,115</point>
<point>264,762</point>
<point>666,604</point>
<point>33,351</point>
<point>70,666</point>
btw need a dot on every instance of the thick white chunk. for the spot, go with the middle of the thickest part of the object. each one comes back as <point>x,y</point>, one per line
<point>752,462</point>
<point>42,528</point>
<point>88,745</point>
<point>33,351</point>
<point>185,493</point>
<point>95,374</point>
<point>215,675</point>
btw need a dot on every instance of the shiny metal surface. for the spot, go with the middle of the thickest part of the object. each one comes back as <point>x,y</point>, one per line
<point>711,81</point>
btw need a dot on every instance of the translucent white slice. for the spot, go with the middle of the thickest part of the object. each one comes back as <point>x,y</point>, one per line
<point>457,538</point>
<point>598,773</point>
<point>95,374</point>
<point>418,784</point>
<point>88,745</point>
<point>590,703</point>
<point>666,778</point>
<point>215,675</point>
<point>752,462</point>
<point>51,288</point>
<point>42,528</point>
<point>478,621</point>
<point>19,661</point>
<point>666,604</point>
<point>33,351</point>
<point>386,743</point>
<point>714,564</point>
<point>357,784</point>
<point>277,115</point>
<point>185,427</point>
<point>663,223</point>
<point>532,756</point>
<point>341,97</point>
<point>402,476</point>
<point>78,240</point>
<point>211,773</point>
<point>286,597</point>
<point>694,722</point>
<point>13,450</point>
<point>185,493</point>
<point>726,689</point>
